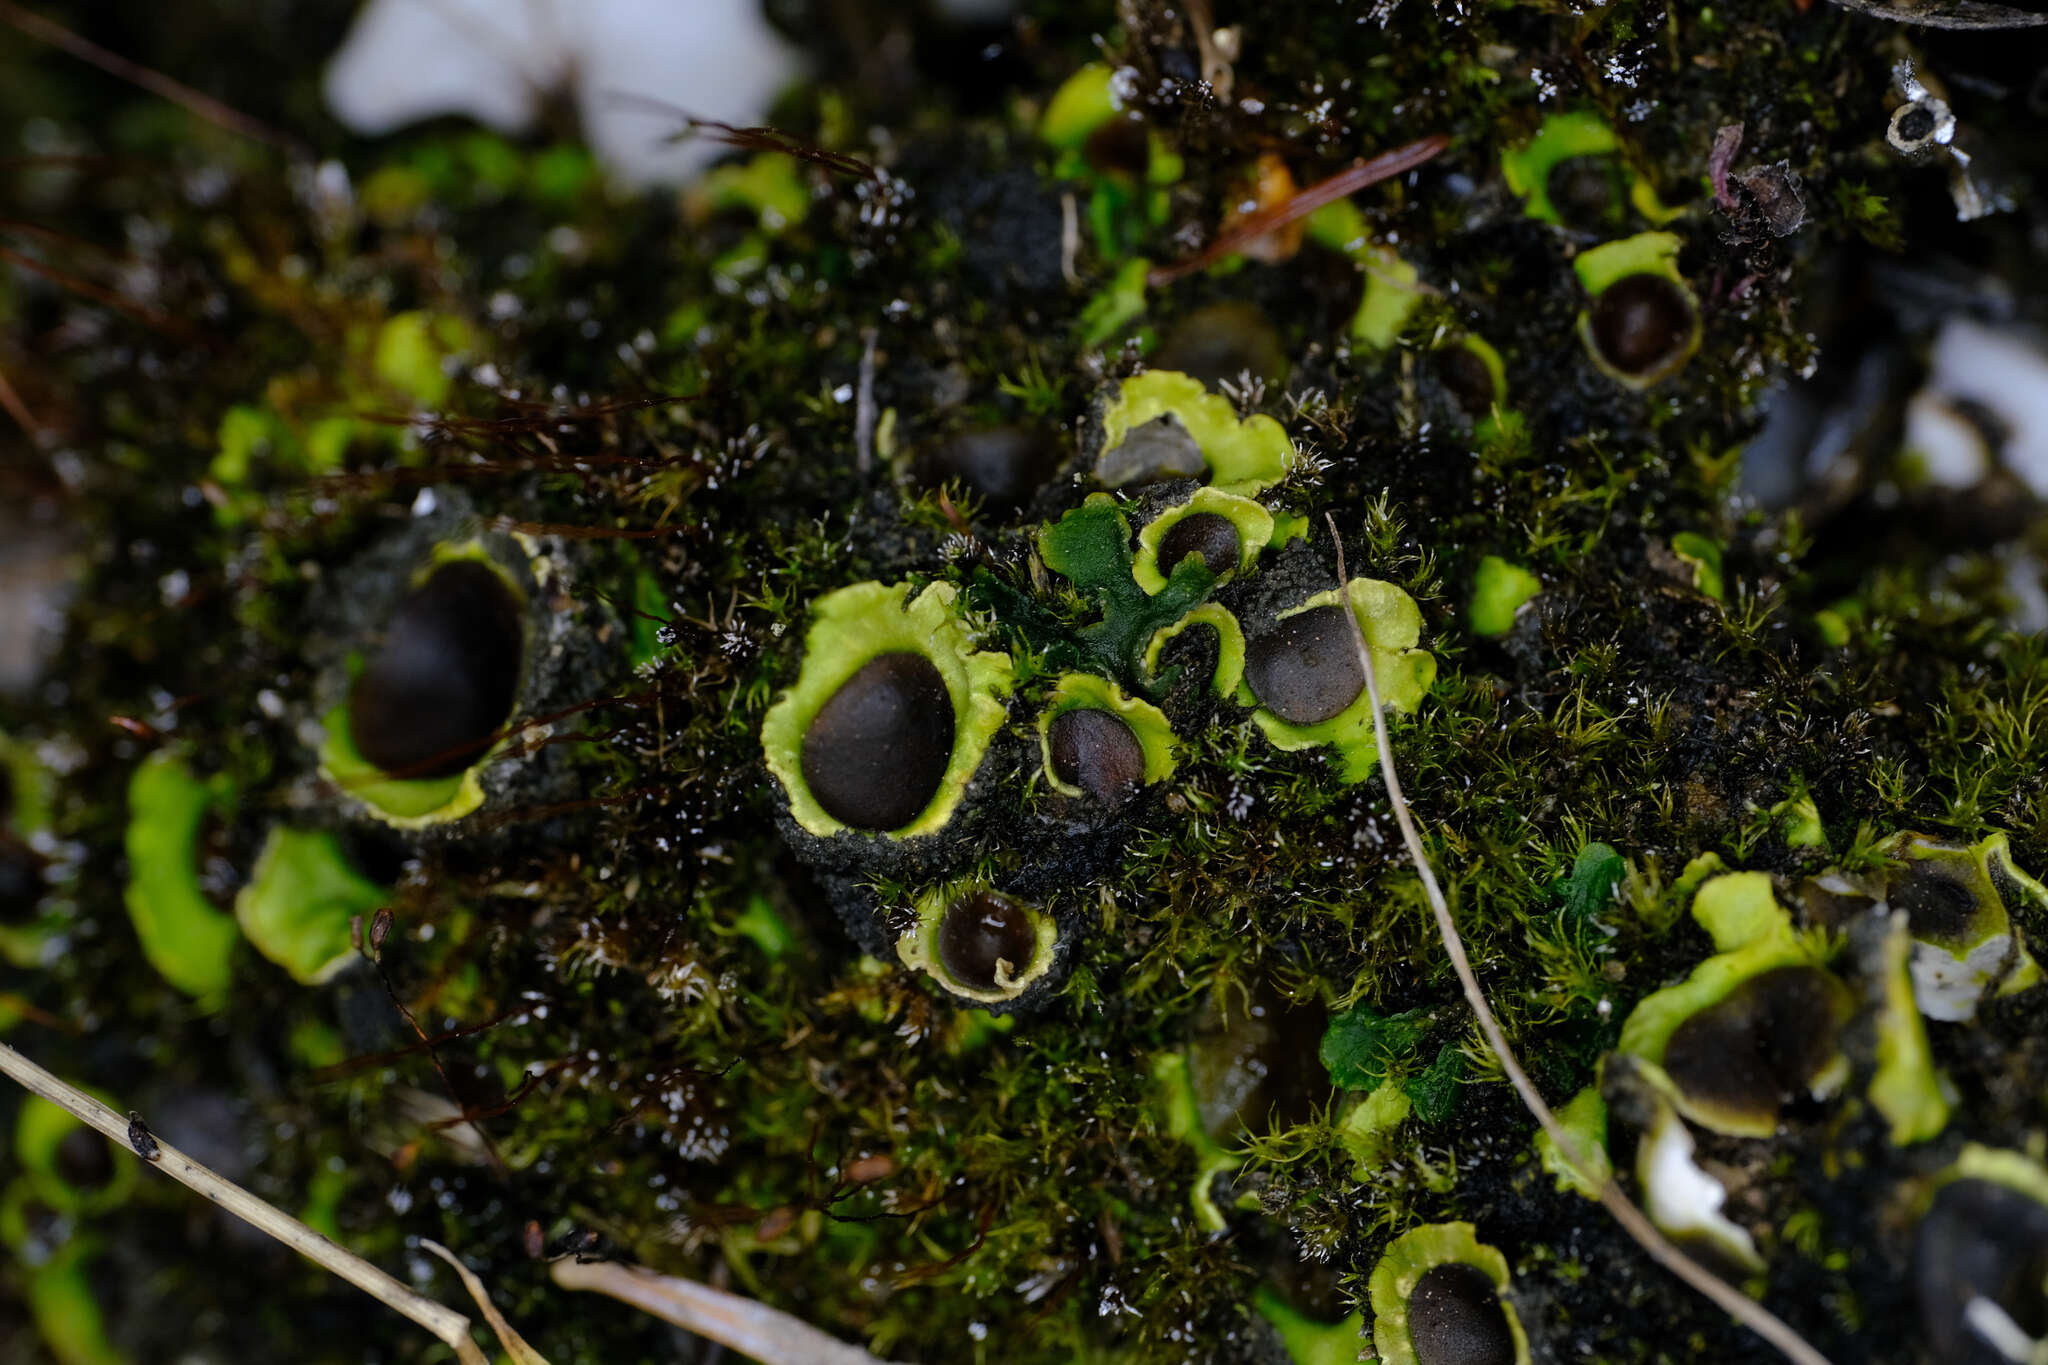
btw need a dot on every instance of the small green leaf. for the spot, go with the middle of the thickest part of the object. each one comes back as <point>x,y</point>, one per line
<point>1589,888</point>
<point>1435,1091</point>
<point>1362,1045</point>
<point>1091,545</point>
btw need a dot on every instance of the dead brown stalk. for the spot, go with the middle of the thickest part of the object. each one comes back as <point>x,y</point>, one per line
<point>447,1324</point>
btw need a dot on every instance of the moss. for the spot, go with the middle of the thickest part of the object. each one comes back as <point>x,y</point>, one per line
<point>723,1050</point>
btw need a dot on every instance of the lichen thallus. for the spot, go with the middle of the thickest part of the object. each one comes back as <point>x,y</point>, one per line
<point>1742,1308</point>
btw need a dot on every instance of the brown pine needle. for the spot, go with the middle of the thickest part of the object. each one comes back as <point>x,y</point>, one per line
<point>516,1348</point>
<point>114,64</point>
<point>1350,180</point>
<point>447,1324</point>
<point>18,410</point>
<point>1734,1302</point>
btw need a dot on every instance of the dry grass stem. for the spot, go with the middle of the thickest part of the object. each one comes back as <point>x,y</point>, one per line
<point>445,1323</point>
<point>742,1325</point>
<point>1738,1305</point>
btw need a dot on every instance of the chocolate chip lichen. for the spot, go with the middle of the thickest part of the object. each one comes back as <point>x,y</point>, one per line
<point>801,725</point>
<point>874,754</point>
<point>433,696</point>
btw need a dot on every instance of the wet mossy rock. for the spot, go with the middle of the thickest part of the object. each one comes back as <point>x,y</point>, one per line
<point>1303,676</point>
<point>1162,407</point>
<point>901,749</point>
<point>996,950</point>
<point>1437,1298</point>
<point>679,422</point>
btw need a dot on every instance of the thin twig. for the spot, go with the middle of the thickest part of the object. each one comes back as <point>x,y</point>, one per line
<point>148,317</point>
<point>752,1329</point>
<point>1215,66</point>
<point>864,406</point>
<point>447,1324</point>
<point>1070,237</point>
<point>1350,180</point>
<point>1738,1305</point>
<point>177,92</point>
<point>18,410</point>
